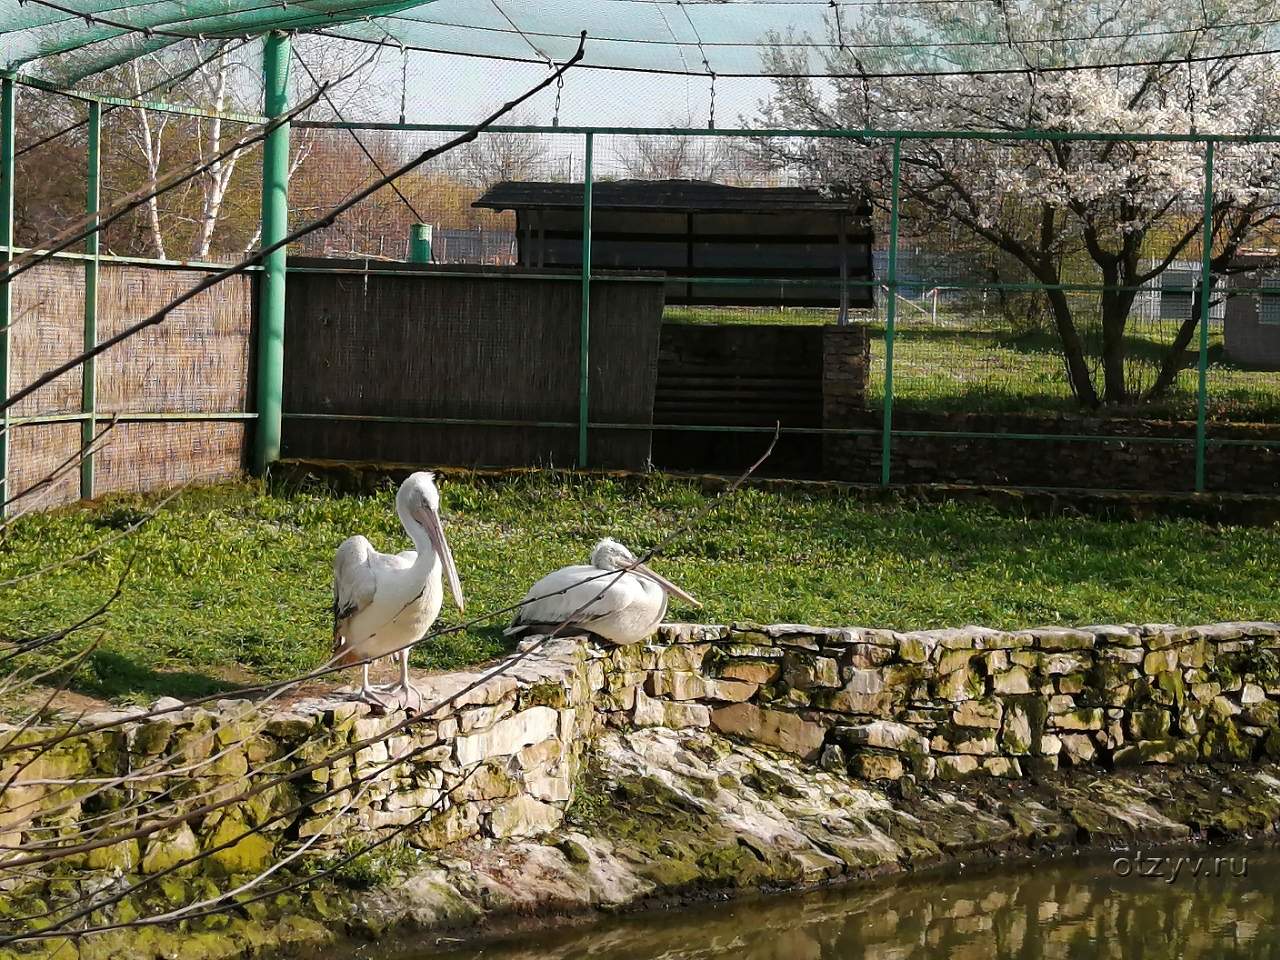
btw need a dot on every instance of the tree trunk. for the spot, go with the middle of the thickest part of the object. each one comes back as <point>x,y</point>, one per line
<point>1072,348</point>
<point>1115,306</point>
<point>1175,359</point>
<point>1115,314</point>
<point>151,156</point>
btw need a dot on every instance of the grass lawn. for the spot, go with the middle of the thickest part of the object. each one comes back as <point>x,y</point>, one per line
<point>232,583</point>
<point>965,362</point>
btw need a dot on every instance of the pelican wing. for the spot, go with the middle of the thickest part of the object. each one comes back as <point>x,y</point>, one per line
<point>354,582</point>
<point>579,595</point>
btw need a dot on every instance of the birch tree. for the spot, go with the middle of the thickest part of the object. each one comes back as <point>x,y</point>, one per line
<point>1125,210</point>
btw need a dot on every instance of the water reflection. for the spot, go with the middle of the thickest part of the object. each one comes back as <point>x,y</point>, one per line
<point>1075,910</point>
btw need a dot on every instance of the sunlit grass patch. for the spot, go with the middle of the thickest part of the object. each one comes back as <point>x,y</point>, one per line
<point>231,583</point>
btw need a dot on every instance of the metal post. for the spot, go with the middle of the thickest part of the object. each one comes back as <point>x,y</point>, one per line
<point>420,243</point>
<point>1202,401</point>
<point>891,313</point>
<point>88,370</point>
<point>584,330</point>
<point>842,319</point>
<point>275,223</point>
<point>6,241</point>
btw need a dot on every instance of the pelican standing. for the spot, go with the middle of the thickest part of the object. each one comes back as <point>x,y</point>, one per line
<point>621,607</point>
<point>383,603</point>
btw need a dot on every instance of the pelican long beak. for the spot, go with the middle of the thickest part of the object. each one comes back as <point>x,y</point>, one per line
<point>430,521</point>
<point>665,584</point>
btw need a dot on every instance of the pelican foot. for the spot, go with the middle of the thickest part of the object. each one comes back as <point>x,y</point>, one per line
<point>408,696</point>
<point>373,697</point>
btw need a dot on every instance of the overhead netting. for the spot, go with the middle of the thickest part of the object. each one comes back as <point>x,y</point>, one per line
<point>67,41</point>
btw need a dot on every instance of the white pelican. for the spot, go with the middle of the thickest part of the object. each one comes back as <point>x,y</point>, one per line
<point>382,602</point>
<point>619,607</point>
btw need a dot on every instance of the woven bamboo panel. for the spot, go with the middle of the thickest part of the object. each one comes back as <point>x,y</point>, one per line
<point>48,307</point>
<point>155,456</point>
<point>197,360</point>
<point>495,347</point>
<point>35,452</point>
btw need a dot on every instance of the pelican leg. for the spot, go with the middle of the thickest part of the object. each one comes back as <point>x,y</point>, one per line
<point>409,695</point>
<point>376,687</point>
<point>369,694</point>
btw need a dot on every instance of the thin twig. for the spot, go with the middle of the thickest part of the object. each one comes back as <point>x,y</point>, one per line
<point>46,486</point>
<point>326,221</point>
<point>23,648</point>
<point>97,222</point>
<point>502,667</point>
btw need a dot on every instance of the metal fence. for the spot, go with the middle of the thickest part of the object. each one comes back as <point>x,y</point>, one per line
<point>964,329</point>
<point>961,327</point>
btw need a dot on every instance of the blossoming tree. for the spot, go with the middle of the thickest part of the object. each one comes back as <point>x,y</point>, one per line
<point>1113,212</point>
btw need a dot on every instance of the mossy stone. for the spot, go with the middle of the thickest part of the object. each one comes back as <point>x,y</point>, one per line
<point>251,853</point>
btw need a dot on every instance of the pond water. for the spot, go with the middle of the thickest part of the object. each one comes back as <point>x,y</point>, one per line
<point>1112,907</point>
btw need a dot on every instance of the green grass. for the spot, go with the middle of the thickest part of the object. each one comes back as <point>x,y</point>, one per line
<point>231,583</point>
<point>969,363</point>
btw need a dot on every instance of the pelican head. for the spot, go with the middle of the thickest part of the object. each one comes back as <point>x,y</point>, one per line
<point>609,554</point>
<point>418,505</point>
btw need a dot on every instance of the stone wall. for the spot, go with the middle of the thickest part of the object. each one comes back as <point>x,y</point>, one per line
<point>501,753</point>
<point>496,759</point>
<point>956,702</point>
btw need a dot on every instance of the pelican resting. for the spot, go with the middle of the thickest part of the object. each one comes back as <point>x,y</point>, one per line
<point>621,607</point>
<point>382,602</point>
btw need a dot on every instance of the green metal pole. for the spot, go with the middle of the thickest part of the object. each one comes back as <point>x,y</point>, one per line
<point>890,316</point>
<point>275,224</point>
<point>420,243</point>
<point>6,241</point>
<point>1202,401</point>
<point>88,371</point>
<point>584,330</point>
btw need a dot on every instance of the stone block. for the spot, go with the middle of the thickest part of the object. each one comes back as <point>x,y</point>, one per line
<point>751,671</point>
<point>954,768</point>
<point>1085,718</point>
<point>1004,767</point>
<point>508,735</point>
<point>877,766</point>
<point>1011,681</point>
<point>786,731</point>
<point>667,713</point>
<point>1078,749</point>
<point>1062,638</point>
<point>978,713</point>
<point>1160,661</point>
<point>883,735</point>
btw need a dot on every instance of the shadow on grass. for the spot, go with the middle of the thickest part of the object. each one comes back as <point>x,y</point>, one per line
<point>113,676</point>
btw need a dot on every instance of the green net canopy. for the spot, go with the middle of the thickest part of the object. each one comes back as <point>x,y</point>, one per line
<point>66,41</point>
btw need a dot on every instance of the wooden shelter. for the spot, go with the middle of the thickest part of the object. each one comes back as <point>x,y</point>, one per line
<point>713,241</point>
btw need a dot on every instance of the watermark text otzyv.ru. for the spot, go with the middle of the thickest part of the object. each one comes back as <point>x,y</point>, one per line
<point>1170,869</point>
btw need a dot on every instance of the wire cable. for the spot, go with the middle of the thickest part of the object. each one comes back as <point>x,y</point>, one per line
<point>418,218</point>
<point>167,82</point>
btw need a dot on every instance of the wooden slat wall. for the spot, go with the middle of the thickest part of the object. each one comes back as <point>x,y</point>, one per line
<point>749,375</point>
<point>427,344</point>
<point>747,246</point>
<point>196,360</point>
